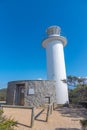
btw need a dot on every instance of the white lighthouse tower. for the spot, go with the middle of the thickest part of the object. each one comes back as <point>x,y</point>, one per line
<point>54,44</point>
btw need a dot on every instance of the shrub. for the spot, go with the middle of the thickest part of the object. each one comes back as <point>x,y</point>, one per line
<point>6,124</point>
<point>83,123</point>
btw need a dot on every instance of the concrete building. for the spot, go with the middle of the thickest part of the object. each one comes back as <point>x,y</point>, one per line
<point>54,44</point>
<point>31,92</point>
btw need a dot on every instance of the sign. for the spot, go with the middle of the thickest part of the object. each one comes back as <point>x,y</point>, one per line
<point>31,91</point>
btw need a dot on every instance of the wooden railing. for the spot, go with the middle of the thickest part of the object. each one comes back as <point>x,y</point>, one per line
<point>48,107</point>
<point>49,110</point>
<point>22,107</point>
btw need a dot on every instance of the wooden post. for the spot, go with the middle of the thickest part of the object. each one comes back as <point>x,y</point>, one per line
<point>53,106</point>
<point>48,109</point>
<point>32,117</point>
<point>51,109</point>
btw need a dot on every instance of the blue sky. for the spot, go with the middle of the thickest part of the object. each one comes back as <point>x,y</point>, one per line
<point>22,28</point>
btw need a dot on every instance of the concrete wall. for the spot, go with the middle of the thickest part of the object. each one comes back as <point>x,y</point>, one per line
<point>42,89</point>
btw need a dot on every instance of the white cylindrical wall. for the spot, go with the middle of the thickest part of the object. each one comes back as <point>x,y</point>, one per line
<point>56,69</point>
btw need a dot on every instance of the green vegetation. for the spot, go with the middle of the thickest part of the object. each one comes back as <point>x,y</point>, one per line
<point>3,94</point>
<point>83,124</point>
<point>6,124</point>
<point>77,89</point>
<point>78,94</point>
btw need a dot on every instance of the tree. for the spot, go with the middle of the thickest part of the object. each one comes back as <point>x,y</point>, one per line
<point>74,81</point>
<point>77,88</point>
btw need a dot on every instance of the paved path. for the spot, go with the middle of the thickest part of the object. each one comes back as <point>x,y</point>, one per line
<point>61,119</point>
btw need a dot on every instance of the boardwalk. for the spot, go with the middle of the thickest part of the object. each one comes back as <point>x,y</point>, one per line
<point>61,119</point>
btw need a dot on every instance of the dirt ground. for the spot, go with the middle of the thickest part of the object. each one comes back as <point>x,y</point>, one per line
<point>60,119</point>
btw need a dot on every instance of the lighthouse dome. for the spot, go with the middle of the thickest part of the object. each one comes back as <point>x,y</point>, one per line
<point>53,30</point>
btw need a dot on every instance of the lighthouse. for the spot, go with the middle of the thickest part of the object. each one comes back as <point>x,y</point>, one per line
<point>56,70</point>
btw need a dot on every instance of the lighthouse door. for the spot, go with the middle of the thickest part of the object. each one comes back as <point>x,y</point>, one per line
<point>20,94</point>
<point>21,101</point>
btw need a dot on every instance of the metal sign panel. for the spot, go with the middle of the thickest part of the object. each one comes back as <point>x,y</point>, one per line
<point>31,91</point>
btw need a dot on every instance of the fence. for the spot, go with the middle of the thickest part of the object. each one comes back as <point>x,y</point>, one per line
<point>22,107</point>
<point>48,107</point>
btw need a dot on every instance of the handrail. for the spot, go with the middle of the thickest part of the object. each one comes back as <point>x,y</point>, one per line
<point>16,106</point>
